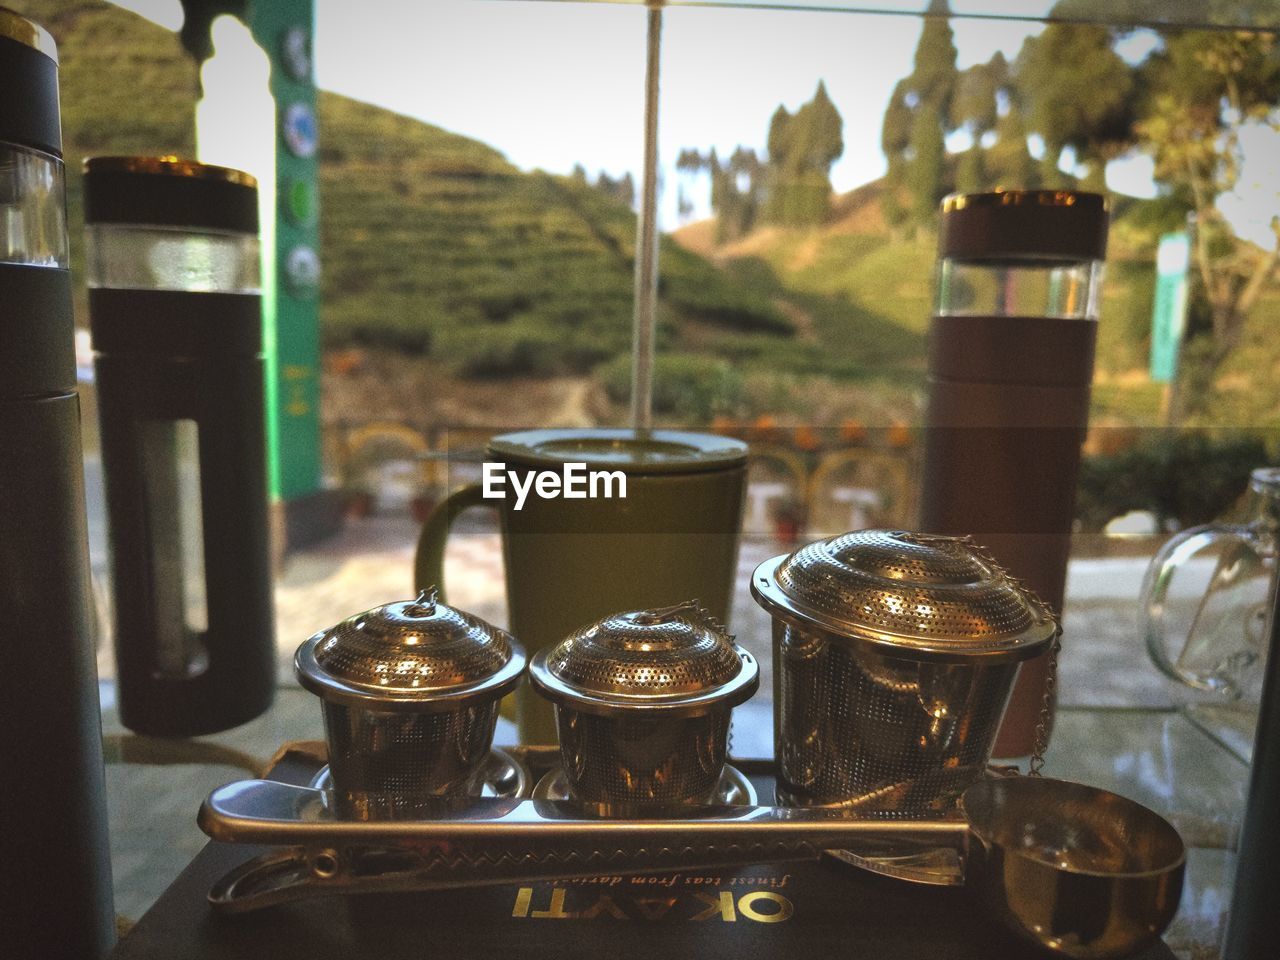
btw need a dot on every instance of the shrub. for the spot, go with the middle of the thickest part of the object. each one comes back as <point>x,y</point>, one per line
<point>523,346</point>
<point>1185,477</point>
<point>690,387</point>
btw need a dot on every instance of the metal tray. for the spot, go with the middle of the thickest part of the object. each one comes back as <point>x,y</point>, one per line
<point>484,840</point>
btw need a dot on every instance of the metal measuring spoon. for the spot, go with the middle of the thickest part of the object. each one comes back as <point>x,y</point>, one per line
<point>1082,871</point>
<point>1079,870</point>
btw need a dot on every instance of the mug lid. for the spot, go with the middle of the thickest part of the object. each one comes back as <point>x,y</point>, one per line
<point>674,659</point>
<point>418,655</point>
<point>631,451</point>
<point>912,595</point>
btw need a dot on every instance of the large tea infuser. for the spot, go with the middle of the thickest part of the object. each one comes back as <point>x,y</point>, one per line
<point>894,657</point>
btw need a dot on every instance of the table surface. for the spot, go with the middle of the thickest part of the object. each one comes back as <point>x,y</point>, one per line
<point>1156,757</point>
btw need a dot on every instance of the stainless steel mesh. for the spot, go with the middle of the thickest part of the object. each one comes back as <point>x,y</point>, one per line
<point>647,762</point>
<point>894,658</point>
<point>678,650</point>
<point>411,694</point>
<point>390,765</point>
<point>914,586</point>
<point>643,702</point>
<point>419,645</point>
<point>890,736</point>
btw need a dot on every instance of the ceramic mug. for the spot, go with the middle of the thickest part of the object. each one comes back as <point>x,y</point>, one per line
<point>571,560</point>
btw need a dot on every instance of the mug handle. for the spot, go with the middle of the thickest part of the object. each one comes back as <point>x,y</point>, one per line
<point>428,559</point>
<point>1155,590</point>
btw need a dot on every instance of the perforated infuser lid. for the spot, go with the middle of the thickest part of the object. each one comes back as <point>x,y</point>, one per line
<point>921,593</point>
<point>419,654</point>
<point>671,659</point>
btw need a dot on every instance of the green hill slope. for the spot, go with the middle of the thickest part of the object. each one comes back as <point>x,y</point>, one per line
<point>853,258</point>
<point>430,241</point>
<point>434,242</point>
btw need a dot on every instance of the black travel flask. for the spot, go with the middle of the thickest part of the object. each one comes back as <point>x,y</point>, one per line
<point>55,885</point>
<point>175,311</point>
<point>1011,351</point>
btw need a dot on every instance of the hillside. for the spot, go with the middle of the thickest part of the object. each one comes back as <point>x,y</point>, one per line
<point>446,266</point>
<point>853,257</point>
<point>435,247</point>
<point>434,243</point>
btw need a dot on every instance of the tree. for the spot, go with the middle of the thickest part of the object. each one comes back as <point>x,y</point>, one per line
<point>928,97</point>
<point>778,142</point>
<point>736,188</point>
<point>895,129</point>
<point>1009,163</point>
<point>974,108</point>
<point>1078,93</point>
<point>973,105</point>
<point>933,77</point>
<point>689,164</point>
<point>622,189</point>
<point>1211,87</point>
<point>802,148</point>
<point>690,161</point>
<point>738,191</point>
<point>824,128</point>
<point>744,172</point>
<point>684,206</point>
<point>971,170</point>
<point>895,139</point>
<point>717,180</point>
<point>927,165</point>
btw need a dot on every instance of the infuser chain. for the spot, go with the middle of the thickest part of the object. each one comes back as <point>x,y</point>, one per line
<point>1046,706</point>
<point>1041,743</point>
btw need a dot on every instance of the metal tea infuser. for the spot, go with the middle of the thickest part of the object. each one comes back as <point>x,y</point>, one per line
<point>643,701</point>
<point>894,657</point>
<point>410,695</point>
<point>1079,870</point>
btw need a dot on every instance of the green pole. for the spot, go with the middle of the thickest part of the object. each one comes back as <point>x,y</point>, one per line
<point>291,264</point>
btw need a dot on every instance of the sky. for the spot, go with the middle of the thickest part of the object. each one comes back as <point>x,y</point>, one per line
<point>552,84</point>
<point>558,83</point>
